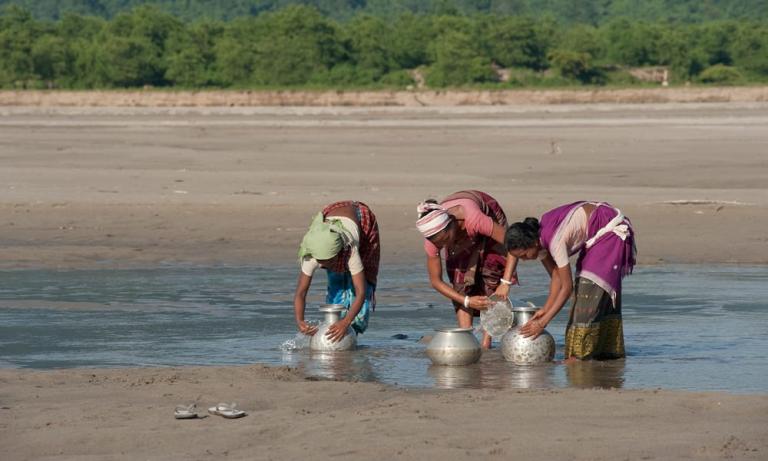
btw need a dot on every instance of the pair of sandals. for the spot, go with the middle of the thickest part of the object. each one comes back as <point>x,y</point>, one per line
<point>225,410</point>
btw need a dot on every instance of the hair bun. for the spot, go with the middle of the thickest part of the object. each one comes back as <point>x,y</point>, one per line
<point>533,223</point>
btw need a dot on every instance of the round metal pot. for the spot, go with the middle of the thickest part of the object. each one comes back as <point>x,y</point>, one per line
<point>454,346</point>
<point>320,342</point>
<point>520,350</point>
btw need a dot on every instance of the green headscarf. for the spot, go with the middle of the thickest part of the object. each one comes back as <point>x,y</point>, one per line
<point>323,240</point>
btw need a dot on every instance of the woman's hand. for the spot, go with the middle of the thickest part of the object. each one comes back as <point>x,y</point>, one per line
<point>535,326</point>
<point>480,303</point>
<point>307,329</point>
<point>502,291</point>
<point>338,330</point>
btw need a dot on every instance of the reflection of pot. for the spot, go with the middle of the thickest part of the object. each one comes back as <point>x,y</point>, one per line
<point>455,377</point>
<point>528,377</point>
<point>526,351</point>
<point>329,365</point>
<point>454,346</point>
<point>320,342</point>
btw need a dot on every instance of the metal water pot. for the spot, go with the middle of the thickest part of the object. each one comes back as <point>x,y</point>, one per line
<point>320,342</point>
<point>454,346</point>
<point>526,351</point>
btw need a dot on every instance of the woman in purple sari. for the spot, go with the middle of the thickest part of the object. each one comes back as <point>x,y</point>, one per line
<point>604,241</point>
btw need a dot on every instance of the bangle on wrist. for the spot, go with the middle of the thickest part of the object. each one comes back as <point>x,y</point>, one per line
<point>466,302</point>
<point>505,281</point>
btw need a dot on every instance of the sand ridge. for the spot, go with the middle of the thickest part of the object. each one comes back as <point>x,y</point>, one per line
<point>363,98</point>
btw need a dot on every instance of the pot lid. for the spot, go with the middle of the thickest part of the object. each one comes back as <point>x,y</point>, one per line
<point>453,330</point>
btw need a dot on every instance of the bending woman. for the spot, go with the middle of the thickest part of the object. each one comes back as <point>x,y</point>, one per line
<point>468,227</point>
<point>604,240</point>
<point>344,240</point>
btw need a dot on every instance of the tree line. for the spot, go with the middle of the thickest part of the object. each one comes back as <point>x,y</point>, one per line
<point>592,12</point>
<point>297,46</point>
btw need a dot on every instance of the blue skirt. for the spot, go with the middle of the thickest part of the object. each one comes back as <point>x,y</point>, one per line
<point>342,291</point>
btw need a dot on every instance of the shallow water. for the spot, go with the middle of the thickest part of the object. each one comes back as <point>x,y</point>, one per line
<point>686,327</point>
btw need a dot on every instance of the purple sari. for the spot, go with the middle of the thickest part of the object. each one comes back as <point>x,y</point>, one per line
<point>608,255</point>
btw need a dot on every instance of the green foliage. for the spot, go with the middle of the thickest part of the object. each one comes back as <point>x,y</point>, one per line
<point>17,36</point>
<point>592,12</point>
<point>721,74</point>
<point>517,42</point>
<point>277,43</point>
<point>371,47</point>
<point>190,55</point>
<point>577,65</point>
<point>457,61</point>
<point>51,58</point>
<point>294,44</point>
<point>398,78</point>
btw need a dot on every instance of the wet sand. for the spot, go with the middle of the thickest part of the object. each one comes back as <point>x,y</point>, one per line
<point>128,414</point>
<point>116,187</point>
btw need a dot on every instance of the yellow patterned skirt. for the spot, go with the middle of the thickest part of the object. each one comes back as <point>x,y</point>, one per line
<point>594,328</point>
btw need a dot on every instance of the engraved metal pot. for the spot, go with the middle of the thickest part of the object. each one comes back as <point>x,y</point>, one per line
<point>526,351</point>
<point>320,342</point>
<point>454,346</point>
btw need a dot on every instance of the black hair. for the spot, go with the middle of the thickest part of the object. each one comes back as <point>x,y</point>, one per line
<point>429,200</point>
<point>522,235</point>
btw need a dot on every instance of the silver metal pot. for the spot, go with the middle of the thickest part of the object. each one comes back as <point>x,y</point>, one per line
<point>320,342</point>
<point>454,346</point>
<point>526,351</point>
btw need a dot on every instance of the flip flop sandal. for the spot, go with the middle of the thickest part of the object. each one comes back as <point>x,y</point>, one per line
<point>186,412</point>
<point>227,411</point>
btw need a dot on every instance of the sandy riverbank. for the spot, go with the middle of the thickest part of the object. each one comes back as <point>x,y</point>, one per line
<point>128,414</point>
<point>420,98</point>
<point>116,187</point>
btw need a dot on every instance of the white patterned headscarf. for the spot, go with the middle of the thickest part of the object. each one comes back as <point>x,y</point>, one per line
<point>435,218</point>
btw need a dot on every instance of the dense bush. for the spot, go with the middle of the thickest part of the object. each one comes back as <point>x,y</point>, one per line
<point>592,12</point>
<point>298,46</point>
<point>722,74</point>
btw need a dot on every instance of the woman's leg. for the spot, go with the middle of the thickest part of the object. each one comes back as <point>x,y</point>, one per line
<point>465,319</point>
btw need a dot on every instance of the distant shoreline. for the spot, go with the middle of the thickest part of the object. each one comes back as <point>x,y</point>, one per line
<point>368,98</point>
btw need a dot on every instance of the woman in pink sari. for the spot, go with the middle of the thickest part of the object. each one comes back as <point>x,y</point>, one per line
<point>468,229</point>
<point>604,241</point>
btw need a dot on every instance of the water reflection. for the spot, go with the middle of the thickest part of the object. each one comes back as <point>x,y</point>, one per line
<point>339,366</point>
<point>493,372</point>
<point>595,373</point>
<point>456,377</point>
<point>538,376</point>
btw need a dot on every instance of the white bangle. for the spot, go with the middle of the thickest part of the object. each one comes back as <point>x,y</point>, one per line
<point>505,281</point>
<point>466,302</point>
